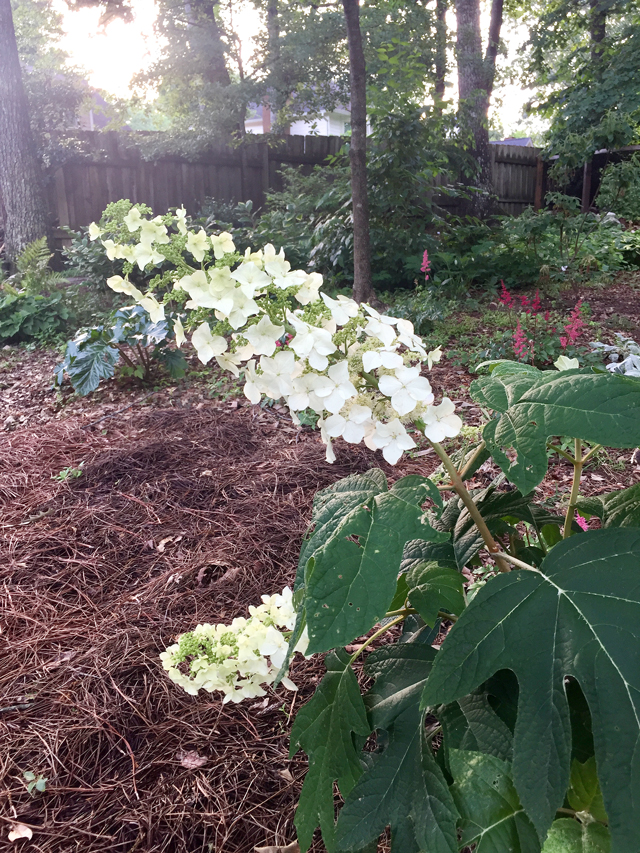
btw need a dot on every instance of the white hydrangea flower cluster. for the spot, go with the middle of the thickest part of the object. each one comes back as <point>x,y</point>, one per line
<point>360,371</point>
<point>240,658</point>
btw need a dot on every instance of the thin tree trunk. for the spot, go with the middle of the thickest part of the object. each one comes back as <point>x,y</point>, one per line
<point>20,174</point>
<point>441,53</point>
<point>476,74</point>
<point>362,284</point>
<point>597,28</point>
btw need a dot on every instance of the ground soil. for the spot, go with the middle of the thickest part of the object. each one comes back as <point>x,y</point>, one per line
<point>188,508</point>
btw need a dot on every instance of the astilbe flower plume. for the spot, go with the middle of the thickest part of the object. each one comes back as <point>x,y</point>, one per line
<point>426,265</point>
<point>520,342</point>
<point>574,327</point>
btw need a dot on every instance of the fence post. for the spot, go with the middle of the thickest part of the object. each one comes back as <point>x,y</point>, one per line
<point>586,186</point>
<point>539,194</point>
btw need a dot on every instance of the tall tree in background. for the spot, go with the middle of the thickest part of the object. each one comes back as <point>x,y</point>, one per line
<point>583,60</point>
<point>362,286</point>
<point>476,74</point>
<point>26,217</point>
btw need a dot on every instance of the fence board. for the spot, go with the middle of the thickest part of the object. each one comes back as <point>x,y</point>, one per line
<point>112,168</point>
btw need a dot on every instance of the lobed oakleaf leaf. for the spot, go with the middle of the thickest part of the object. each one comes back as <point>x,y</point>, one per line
<point>579,616</point>
<point>569,836</point>
<point>331,506</point>
<point>492,817</point>
<point>432,587</point>
<point>403,788</point>
<point>584,794</point>
<point>472,724</point>
<point>615,509</point>
<point>602,408</point>
<point>352,578</point>
<point>324,729</point>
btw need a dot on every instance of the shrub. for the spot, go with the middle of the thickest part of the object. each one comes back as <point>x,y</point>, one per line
<point>620,189</point>
<point>34,304</point>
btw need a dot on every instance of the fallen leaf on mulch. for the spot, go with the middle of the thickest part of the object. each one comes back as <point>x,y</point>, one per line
<point>190,759</point>
<point>19,830</point>
<point>294,847</point>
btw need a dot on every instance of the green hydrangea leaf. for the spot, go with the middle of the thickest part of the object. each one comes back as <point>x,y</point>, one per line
<point>602,408</point>
<point>324,728</point>
<point>584,793</point>
<point>615,509</point>
<point>95,361</point>
<point>352,578</point>
<point>578,616</point>
<point>568,836</point>
<point>400,671</point>
<point>403,788</point>
<point>492,817</point>
<point>472,724</point>
<point>433,587</point>
<point>332,505</point>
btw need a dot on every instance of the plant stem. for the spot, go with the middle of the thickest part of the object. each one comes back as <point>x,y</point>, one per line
<point>450,617</point>
<point>575,489</point>
<point>125,357</point>
<point>562,452</point>
<point>516,562</point>
<point>590,453</point>
<point>375,637</point>
<point>468,466</point>
<point>468,501</point>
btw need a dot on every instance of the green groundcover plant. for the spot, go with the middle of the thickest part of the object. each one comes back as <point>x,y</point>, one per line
<point>506,718</point>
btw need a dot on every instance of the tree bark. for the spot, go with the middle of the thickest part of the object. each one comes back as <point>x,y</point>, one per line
<point>597,28</point>
<point>20,174</point>
<point>362,284</point>
<point>476,74</point>
<point>440,54</point>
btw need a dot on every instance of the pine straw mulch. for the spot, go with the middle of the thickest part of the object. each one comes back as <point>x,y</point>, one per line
<point>178,518</point>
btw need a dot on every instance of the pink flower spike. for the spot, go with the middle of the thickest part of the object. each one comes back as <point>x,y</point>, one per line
<point>581,522</point>
<point>505,297</point>
<point>426,265</point>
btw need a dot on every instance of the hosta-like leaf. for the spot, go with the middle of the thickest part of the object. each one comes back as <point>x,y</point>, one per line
<point>404,789</point>
<point>432,587</point>
<point>352,577</point>
<point>603,408</point>
<point>615,509</point>
<point>579,616</point>
<point>330,508</point>
<point>492,817</point>
<point>568,836</point>
<point>95,361</point>
<point>324,729</point>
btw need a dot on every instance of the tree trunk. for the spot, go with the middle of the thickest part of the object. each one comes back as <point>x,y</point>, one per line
<point>362,285</point>
<point>597,28</point>
<point>441,54</point>
<point>475,84</point>
<point>20,175</point>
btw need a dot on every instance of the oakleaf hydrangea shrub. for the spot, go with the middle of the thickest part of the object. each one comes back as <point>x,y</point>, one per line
<point>503,720</point>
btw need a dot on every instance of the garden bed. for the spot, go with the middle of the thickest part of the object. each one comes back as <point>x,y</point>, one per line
<point>186,510</point>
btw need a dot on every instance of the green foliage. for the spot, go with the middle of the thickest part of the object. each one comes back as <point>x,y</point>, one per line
<point>94,353</point>
<point>620,189</point>
<point>558,615</point>
<point>596,407</point>
<point>35,783</point>
<point>366,548</point>
<point>33,305</point>
<point>534,691</point>
<point>324,729</point>
<point>55,90</point>
<point>491,815</point>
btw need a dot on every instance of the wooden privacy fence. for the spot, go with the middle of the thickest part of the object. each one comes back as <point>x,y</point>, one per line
<point>111,167</point>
